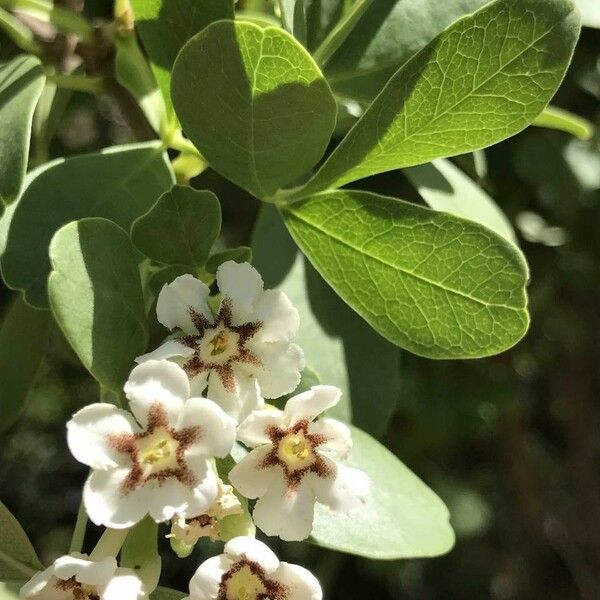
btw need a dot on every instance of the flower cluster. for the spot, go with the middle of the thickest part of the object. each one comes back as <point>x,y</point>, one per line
<point>191,401</point>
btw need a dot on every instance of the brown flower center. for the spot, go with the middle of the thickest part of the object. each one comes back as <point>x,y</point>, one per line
<point>157,453</point>
<point>79,591</point>
<point>246,580</point>
<point>218,346</point>
<point>295,451</point>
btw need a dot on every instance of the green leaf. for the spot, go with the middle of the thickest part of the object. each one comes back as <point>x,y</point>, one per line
<point>590,12</point>
<point>321,17</point>
<point>239,255</point>
<point>388,34</point>
<point>430,282</point>
<point>133,72</point>
<point>140,552</point>
<point>17,556</point>
<point>403,518</point>
<point>163,593</point>
<point>23,338</point>
<point>96,298</point>
<point>10,591</point>
<point>119,184</point>
<point>446,188</point>
<point>293,18</point>
<point>339,346</point>
<point>563,120</point>
<point>484,79</point>
<point>180,228</point>
<point>166,25</point>
<point>264,116</point>
<point>21,83</point>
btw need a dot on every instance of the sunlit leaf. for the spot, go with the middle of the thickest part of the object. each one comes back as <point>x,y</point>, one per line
<point>254,103</point>
<point>430,282</point>
<point>484,79</point>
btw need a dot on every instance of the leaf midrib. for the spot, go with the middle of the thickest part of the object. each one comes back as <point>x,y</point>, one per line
<point>405,271</point>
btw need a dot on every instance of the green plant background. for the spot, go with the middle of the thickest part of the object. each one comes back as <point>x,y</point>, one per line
<point>510,443</point>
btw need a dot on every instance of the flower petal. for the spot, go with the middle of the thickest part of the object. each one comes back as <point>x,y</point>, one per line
<point>169,350</point>
<point>286,513</point>
<point>167,498</point>
<point>205,583</point>
<point>344,492</point>
<point>241,400</point>
<point>301,584</point>
<point>205,491</point>
<point>178,299</point>
<point>308,405</point>
<point>279,317</point>
<point>253,431</point>
<point>106,504</point>
<point>38,584</point>
<point>338,436</point>
<point>85,571</point>
<point>249,477</point>
<point>280,368</point>
<point>88,434</point>
<point>217,429</point>
<point>253,550</point>
<point>157,381</point>
<point>242,285</point>
<point>125,585</point>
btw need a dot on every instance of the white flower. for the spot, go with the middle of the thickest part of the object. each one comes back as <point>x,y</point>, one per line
<point>248,570</point>
<point>160,465</point>
<point>294,464</point>
<point>242,354</point>
<point>76,577</point>
<point>189,531</point>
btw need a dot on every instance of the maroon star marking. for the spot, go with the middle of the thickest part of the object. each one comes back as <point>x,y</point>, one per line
<point>127,443</point>
<point>274,589</point>
<point>72,585</point>
<point>195,365</point>
<point>294,476</point>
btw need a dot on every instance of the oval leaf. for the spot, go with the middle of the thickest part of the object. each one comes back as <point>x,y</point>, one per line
<point>120,184</point>
<point>484,79</point>
<point>435,284</point>
<point>96,298</point>
<point>17,556</point>
<point>403,518</point>
<point>254,103</point>
<point>180,228</point>
<point>21,83</point>
<point>23,337</point>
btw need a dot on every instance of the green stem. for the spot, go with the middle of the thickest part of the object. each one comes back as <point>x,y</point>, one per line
<point>78,83</point>
<point>21,35</point>
<point>66,21</point>
<point>79,531</point>
<point>109,544</point>
<point>340,32</point>
<point>176,141</point>
<point>17,565</point>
